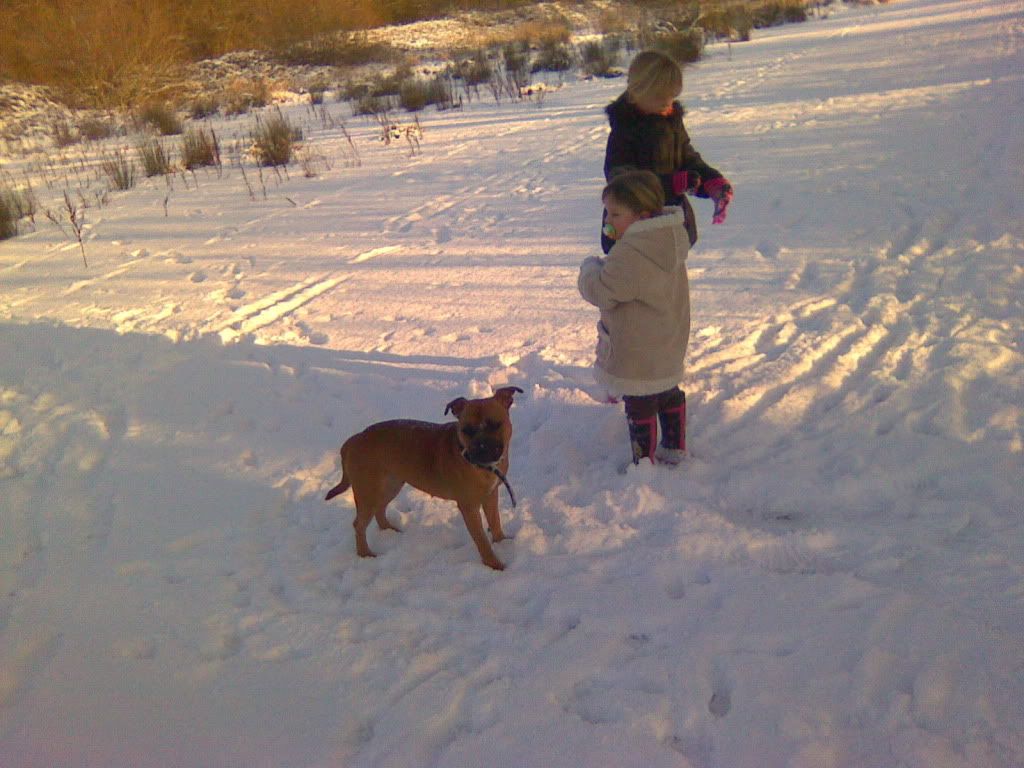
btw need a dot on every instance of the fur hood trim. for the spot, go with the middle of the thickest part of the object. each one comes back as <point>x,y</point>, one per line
<point>623,112</point>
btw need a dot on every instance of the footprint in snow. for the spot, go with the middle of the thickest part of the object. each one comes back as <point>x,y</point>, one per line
<point>720,703</point>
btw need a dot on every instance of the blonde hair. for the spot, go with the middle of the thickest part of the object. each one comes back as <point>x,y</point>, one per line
<point>640,191</point>
<point>653,75</point>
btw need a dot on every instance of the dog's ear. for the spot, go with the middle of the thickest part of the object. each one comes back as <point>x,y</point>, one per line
<point>505,394</point>
<point>455,406</point>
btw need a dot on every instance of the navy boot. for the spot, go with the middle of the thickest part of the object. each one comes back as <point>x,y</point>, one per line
<point>673,433</point>
<point>643,436</point>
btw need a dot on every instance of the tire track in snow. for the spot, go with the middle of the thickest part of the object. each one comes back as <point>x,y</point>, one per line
<point>857,346</point>
<point>525,179</point>
<point>275,306</point>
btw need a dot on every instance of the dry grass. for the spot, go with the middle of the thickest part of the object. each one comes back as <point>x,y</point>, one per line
<point>112,53</point>
<point>120,169</point>
<point>273,139</point>
<point>199,148</point>
<point>156,160</point>
<point>118,53</point>
<point>15,204</point>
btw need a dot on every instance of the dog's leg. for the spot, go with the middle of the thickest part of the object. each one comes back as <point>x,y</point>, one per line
<point>475,526</point>
<point>380,513</point>
<point>493,519</point>
<point>364,512</point>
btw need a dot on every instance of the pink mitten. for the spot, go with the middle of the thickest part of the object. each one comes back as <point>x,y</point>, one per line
<point>719,190</point>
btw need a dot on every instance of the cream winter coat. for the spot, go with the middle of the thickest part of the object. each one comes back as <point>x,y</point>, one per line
<point>643,293</point>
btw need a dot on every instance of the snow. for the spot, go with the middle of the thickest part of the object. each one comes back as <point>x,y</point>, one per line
<point>835,577</point>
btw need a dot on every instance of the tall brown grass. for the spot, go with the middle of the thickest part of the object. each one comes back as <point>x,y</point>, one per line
<point>115,53</point>
<point>118,53</point>
<point>94,52</point>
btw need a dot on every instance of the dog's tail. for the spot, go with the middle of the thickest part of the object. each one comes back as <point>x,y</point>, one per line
<point>339,488</point>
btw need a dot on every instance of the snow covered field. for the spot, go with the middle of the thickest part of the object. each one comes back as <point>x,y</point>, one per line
<point>834,578</point>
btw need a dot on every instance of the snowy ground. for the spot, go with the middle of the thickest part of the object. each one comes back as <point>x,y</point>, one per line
<point>835,577</point>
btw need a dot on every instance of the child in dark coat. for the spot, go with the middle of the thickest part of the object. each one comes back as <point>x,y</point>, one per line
<point>647,133</point>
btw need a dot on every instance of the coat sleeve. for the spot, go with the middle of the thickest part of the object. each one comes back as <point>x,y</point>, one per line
<point>619,155</point>
<point>612,281</point>
<point>692,161</point>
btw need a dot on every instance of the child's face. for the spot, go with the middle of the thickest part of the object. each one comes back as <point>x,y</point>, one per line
<point>620,217</point>
<point>655,105</point>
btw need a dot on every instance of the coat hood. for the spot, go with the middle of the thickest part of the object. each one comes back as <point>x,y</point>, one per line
<point>623,113</point>
<point>662,239</point>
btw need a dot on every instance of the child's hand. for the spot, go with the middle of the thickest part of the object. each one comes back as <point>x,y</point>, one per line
<point>719,190</point>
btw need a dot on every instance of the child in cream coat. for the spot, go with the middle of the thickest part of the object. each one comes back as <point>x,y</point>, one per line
<point>643,293</point>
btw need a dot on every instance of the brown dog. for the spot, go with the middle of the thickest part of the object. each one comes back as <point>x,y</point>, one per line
<point>462,460</point>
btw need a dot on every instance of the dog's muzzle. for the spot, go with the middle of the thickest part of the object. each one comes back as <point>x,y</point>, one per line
<point>484,453</point>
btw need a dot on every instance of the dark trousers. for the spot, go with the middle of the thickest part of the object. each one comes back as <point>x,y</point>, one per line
<point>644,412</point>
<point>639,407</point>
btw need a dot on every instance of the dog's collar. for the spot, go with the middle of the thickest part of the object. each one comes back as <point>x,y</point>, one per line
<point>497,473</point>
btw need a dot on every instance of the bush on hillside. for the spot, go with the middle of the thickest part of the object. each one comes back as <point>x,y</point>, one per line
<point>75,47</point>
<point>685,46</point>
<point>474,70</point>
<point>343,49</point>
<point>273,139</point>
<point>415,94</point>
<point>199,148</point>
<point>553,57</point>
<point>161,116</point>
<point>774,12</point>
<point>203,107</point>
<point>64,134</point>
<point>15,204</point>
<point>96,128</point>
<point>732,21</point>
<point>516,58</point>
<point>155,159</point>
<point>600,58</point>
<point>119,168</point>
<point>244,94</point>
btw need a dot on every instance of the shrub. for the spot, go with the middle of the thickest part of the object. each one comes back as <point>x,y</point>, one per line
<point>599,58</point>
<point>391,85</point>
<point>156,160</point>
<point>516,57</point>
<point>95,128</point>
<point>542,32</point>
<point>684,47</point>
<point>553,57</point>
<point>120,169</point>
<point>732,21</point>
<point>203,107</point>
<point>8,220</point>
<point>416,94</point>
<point>351,90</point>
<point>15,204</point>
<point>100,53</point>
<point>64,134</point>
<point>162,117</point>
<point>199,148</point>
<point>774,12</point>
<point>475,70</point>
<point>613,22</point>
<point>317,90</point>
<point>368,104</point>
<point>273,138</point>
<point>344,49</point>
<point>243,94</point>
